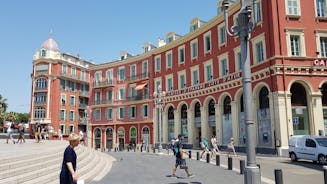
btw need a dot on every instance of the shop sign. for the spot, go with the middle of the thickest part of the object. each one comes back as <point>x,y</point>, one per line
<point>321,62</point>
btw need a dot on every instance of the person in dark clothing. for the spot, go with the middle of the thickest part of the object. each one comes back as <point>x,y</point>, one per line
<point>68,173</point>
<point>180,158</point>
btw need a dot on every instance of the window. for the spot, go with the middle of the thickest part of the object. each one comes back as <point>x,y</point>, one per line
<point>181,54</point>
<point>64,69</point>
<point>208,70</point>
<point>259,48</point>
<point>223,64</point>
<point>158,63</point>
<point>40,98</point>
<point>157,82</point>
<point>169,59</point>
<point>41,83</point>
<point>132,91</point>
<point>222,35</point>
<point>43,53</point>
<point>293,7</point>
<point>73,72</point>
<point>62,115</point>
<point>132,112</point>
<point>63,99</point>
<point>71,115</point>
<point>237,58</point>
<point>62,129</point>
<point>108,114</point>
<point>145,111</point>
<point>72,86</point>
<point>109,76</point>
<point>109,95</point>
<point>145,67</point>
<point>72,101</point>
<point>207,42</point>
<point>83,75</point>
<point>194,49</point>
<point>98,77</point>
<point>323,46</point>
<point>121,113</point>
<point>169,82</point>
<point>295,45</point>
<point>321,8</point>
<point>121,73</point>
<point>182,80</point>
<point>39,112</point>
<point>133,71</point>
<point>121,93</point>
<point>97,98</point>
<point>97,114</point>
<point>195,75</point>
<point>310,143</point>
<point>295,42</point>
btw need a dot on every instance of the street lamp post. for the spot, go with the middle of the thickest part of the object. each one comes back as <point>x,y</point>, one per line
<point>87,114</point>
<point>159,102</point>
<point>252,171</point>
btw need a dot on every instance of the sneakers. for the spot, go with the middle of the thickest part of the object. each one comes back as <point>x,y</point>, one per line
<point>173,175</point>
<point>190,175</point>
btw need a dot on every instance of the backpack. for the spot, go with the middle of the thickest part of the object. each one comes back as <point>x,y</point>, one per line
<point>12,126</point>
<point>175,148</point>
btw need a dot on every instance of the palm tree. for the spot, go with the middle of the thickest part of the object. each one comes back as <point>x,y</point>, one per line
<point>3,104</point>
<point>12,116</point>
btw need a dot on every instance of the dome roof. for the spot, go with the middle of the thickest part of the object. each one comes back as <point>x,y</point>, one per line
<point>50,44</point>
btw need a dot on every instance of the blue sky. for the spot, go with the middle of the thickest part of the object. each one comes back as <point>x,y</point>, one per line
<point>96,30</point>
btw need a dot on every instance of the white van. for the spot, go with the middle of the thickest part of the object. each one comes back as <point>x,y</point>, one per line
<point>308,147</point>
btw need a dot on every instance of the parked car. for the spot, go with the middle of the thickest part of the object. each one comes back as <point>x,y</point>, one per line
<point>309,148</point>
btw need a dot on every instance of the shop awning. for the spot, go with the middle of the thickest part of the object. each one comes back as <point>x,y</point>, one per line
<point>141,86</point>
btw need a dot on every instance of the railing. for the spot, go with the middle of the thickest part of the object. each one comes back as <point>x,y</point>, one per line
<point>102,102</point>
<point>103,83</point>
<point>137,77</point>
<point>40,103</point>
<point>82,106</point>
<point>40,89</point>
<point>84,93</point>
<point>138,97</point>
<point>76,77</point>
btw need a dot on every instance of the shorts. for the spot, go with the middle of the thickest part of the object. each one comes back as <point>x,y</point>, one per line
<point>181,162</point>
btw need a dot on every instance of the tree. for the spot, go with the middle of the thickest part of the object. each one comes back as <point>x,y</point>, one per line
<point>23,117</point>
<point>12,116</point>
<point>3,104</point>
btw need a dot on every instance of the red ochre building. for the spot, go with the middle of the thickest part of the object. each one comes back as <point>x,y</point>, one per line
<point>201,75</point>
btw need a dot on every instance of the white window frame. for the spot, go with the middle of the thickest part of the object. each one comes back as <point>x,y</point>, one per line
<point>291,14</point>
<point>94,117</point>
<point>171,62</point>
<point>147,67</point>
<point>181,48</point>
<point>258,7</point>
<point>74,101</point>
<point>119,95</point>
<point>320,34</point>
<point>205,65</point>
<point>208,34</point>
<point>96,100</point>
<point>169,77</point>
<point>74,115</point>
<point>64,69</point>
<point>131,69</point>
<point>130,115</point>
<point>255,41</point>
<point>109,76</point>
<point>121,115</point>
<point>73,131</point>
<point>98,77</point>
<point>325,10</point>
<point>195,68</point>
<point>64,118</point>
<point>119,78</point>
<point>148,110</point>
<point>195,41</point>
<point>157,63</point>
<point>73,74</point>
<point>157,80</point>
<point>238,64</point>
<point>220,59</point>
<point>296,32</point>
<point>62,127</point>
<point>63,97</point>
<point>180,85</point>
<point>109,115</point>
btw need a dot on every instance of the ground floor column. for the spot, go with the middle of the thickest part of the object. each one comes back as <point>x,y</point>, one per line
<point>235,124</point>
<point>219,125</point>
<point>165,127</point>
<point>317,118</point>
<point>155,126</point>
<point>190,127</point>
<point>204,123</point>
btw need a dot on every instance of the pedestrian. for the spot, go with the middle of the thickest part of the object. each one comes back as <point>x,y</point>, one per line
<point>204,146</point>
<point>230,147</point>
<point>38,132</point>
<point>21,134</point>
<point>214,145</point>
<point>180,158</point>
<point>68,173</point>
<point>10,131</point>
<point>60,134</point>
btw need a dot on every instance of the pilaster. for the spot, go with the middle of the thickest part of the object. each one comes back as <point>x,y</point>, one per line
<point>204,122</point>
<point>191,126</point>
<point>177,125</point>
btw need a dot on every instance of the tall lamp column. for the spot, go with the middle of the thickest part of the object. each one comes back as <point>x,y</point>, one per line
<point>159,102</point>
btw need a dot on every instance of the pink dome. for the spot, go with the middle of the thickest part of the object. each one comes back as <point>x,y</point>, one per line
<point>50,44</point>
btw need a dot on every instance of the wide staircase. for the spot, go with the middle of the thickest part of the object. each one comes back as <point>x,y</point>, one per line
<point>31,162</point>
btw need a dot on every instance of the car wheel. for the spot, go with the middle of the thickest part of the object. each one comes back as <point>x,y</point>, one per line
<point>293,157</point>
<point>322,159</point>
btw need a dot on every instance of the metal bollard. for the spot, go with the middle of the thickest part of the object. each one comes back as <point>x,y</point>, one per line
<point>242,166</point>
<point>208,158</point>
<point>230,163</point>
<point>141,149</point>
<point>279,176</point>
<point>148,149</point>
<point>189,154</point>
<point>325,174</point>
<point>154,150</point>
<point>217,160</point>
<point>197,155</point>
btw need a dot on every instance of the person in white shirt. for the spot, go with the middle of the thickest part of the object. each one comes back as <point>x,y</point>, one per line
<point>81,137</point>
<point>214,145</point>
<point>10,131</point>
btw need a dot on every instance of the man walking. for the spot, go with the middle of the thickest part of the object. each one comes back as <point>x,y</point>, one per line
<point>180,158</point>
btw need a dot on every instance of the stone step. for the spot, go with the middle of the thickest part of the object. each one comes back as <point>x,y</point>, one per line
<point>48,177</point>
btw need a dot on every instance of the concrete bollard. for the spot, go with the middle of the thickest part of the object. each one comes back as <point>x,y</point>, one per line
<point>279,176</point>
<point>208,157</point>
<point>230,163</point>
<point>325,174</point>
<point>217,160</point>
<point>154,150</point>
<point>242,166</point>
<point>197,155</point>
<point>189,154</point>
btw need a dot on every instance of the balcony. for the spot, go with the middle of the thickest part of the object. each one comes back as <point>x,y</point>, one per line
<point>102,102</point>
<point>82,121</point>
<point>39,89</point>
<point>138,97</point>
<point>40,103</point>
<point>84,94</point>
<point>106,83</point>
<point>82,106</point>
<point>74,77</point>
<point>137,77</point>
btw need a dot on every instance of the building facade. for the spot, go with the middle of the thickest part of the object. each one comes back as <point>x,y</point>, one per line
<point>201,75</point>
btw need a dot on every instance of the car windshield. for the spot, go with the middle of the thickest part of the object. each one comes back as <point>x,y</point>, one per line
<point>322,141</point>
